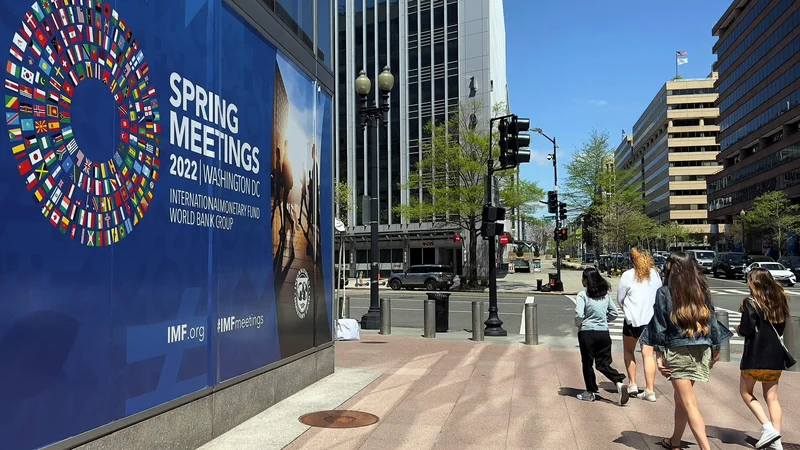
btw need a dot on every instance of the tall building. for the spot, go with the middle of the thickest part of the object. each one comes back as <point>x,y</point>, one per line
<point>758,60</point>
<point>441,52</point>
<point>672,151</point>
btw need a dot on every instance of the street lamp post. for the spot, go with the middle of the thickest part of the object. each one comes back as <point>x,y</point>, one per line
<point>559,285</point>
<point>370,115</point>
<point>742,215</point>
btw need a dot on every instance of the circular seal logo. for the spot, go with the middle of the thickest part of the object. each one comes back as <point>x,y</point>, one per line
<point>302,293</point>
<point>60,44</point>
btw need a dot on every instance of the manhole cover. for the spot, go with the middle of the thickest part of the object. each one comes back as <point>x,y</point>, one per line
<point>339,419</point>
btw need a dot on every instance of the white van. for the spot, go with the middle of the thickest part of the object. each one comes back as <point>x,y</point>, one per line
<point>704,258</point>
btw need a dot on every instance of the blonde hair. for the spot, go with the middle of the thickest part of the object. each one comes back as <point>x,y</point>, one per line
<point>690,295</point>
<point>642,264</point>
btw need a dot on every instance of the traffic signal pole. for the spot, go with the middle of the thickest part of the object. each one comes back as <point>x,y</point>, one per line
<point>494,326</point>
<point>559,287</point>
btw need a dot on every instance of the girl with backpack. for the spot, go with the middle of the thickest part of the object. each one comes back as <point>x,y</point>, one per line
<point>764,315</point>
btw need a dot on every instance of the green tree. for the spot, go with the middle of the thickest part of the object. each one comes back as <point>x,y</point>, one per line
<point>343,199</point>
<point>672,233</point>
<point>451,175</point>
<point>773,213</point>
<point>623,225</point>
<point>594,185</point>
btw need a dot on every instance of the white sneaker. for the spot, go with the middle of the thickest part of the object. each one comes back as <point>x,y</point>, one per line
<point>622,394</point>
<point>776,445</point>
<point>633,390</point>
<point>586,396</point>
<point>768,435</point>
<point>648,396</point>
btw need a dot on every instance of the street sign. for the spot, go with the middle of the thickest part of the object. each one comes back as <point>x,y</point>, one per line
<point>504,239</point>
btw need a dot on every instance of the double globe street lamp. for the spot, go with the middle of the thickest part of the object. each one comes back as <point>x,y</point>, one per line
<point>371,115</point>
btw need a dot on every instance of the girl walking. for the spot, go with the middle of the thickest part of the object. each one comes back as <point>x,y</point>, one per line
<point>764,315</point>
<point>637,295</point>
<point>687,337</point>
<point>593,310</point>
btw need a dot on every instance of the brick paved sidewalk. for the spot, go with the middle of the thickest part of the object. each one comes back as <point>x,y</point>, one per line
<point>446,394</point>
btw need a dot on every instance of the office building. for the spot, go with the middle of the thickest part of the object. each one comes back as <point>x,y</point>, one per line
<point>672,151</point>
<point>758,60</point>
<point>441,52</point>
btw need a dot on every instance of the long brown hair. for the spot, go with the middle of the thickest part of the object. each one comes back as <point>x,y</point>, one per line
<point>768,295</point>
<point>642,264</point>
<point>690,295</point>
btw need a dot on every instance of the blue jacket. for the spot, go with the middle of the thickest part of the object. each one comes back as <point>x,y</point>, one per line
<point>663,333</point>
<point>593,314</point>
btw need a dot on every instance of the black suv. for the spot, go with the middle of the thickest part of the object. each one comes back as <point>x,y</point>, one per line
<point>791,263</point>
<point>731,265</point>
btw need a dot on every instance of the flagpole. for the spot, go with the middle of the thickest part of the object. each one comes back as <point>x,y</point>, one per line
<point>676,66</point>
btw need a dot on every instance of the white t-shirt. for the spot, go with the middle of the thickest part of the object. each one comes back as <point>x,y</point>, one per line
<point>637,298</point>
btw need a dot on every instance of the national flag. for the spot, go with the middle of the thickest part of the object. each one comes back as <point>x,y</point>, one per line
<point>681,57</point>
<point>37,10</point>
<point>682,61</point>
<point>13,69</point>
<point>27,124</point>
<point>20,42</point>
<point>53,125</point>
<point>53,97</point>
<point>41,80</point>
<point>39,111</point>
<point>40,37</point>
<point>30,181</point>
<point>35,157</point>
<point>39,95</point>
<point>52,111</point>
<point>41,126</point>
<point>26,91</point>
<point>27,75</point>
<point>30,141</point>
<point>67,133</point>
<point>56,45</point>
<point>36,49</point>
<point>12,86</point>
<point>44,66</point>
<point>12,118</point>
<point>14,134</point>
<point>44,142</point>
<point>681,53</point>
<point>26,33</point>
<point>26,108</point>
<point>24,167</point>
<point>18,150</point>
<point>72,146</point>
<point>55,218</point>
<point>64,116</point>
<point>16,53</point>
<point>50,158</point>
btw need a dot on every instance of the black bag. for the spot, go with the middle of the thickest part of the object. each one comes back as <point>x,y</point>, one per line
<point>788,360</point>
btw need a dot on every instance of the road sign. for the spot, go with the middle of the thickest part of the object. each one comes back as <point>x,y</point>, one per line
<point>504,239</point>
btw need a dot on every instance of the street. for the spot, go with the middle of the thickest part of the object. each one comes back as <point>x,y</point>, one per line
<point>555,312</point>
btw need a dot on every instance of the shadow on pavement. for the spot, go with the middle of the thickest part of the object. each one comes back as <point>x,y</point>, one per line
<point>642,441</point>
<point>573,393</point>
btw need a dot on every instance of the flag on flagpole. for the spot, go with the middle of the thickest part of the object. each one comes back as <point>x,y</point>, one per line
<point>682,57</point>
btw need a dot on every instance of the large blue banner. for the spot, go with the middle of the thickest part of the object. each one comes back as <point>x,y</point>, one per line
<point>165,224</point>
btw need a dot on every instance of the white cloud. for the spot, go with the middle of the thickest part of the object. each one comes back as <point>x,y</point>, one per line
<point>539,157</point>
<point>592,102</point>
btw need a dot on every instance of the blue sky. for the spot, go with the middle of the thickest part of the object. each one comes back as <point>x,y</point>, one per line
<point>582,64</point>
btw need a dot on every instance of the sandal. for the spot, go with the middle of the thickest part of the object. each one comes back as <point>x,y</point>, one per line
<point>667,444</point>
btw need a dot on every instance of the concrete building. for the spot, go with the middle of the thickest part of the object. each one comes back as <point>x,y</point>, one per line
<point>758,60</point>
<point>441,52</point>
<point>672,151</point>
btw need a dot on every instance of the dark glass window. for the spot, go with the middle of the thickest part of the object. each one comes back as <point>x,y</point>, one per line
<point>438,18</point>
<point>452,50</point>
<point>413,128</point>
<point>299,16</point>
<point>412,59</point>
<point>452,87</point>
<point>412,23</point>
<point>426,56</point>
<point>324,25</point>
<point>438,87</point>
<point>426,20</point>
<point>452,14</point>
<point>438,53</point>
<point>413,94</point>
<point>426,92</point>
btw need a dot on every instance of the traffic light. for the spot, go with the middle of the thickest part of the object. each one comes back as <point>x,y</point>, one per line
<point>562,211</point>
<point>560,234</point>
<point>490,217</point>
<point>512,143</point>
<point>552,202</point>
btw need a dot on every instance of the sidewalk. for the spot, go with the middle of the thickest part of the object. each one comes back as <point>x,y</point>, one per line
<point>448,394</point>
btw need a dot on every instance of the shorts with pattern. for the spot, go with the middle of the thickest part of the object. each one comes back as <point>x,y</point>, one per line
<point>762,375</point>
<point>691,362</point>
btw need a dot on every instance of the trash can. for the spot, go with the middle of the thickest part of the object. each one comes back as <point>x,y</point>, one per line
<point>538,284</point>
<point>442,311</point>
<point>552,280</point>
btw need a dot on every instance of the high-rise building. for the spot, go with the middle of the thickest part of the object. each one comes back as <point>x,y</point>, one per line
<point>672,151</point>
<point>441,52</point>
<point>758,60</point>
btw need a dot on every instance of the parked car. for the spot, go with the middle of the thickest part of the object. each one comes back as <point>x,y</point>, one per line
<point>520,265</point>
<point>429,276</point>
<point>588,258</point>
<point>660,262</point>
<point>704,258</point>
<point>780,273</point>
<point>729,265</point>
<point>792,263</point>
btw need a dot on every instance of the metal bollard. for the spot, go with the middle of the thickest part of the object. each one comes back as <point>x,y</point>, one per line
<point>531,330</point>
<point>791,337</point>
<point>725,347</point>
<point>344,307</point>
<point>477,320</point>
<point>386,316</point>
<point>429,330</point>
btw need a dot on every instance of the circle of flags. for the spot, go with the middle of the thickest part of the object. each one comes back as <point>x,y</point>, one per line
<point>59,44</point>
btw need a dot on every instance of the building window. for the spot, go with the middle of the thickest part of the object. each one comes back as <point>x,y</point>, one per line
<point>452,14</point>
<point>324,33</point>
<point>299,16</point>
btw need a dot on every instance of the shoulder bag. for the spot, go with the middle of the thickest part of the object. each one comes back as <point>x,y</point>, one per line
<point>788,360</point>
